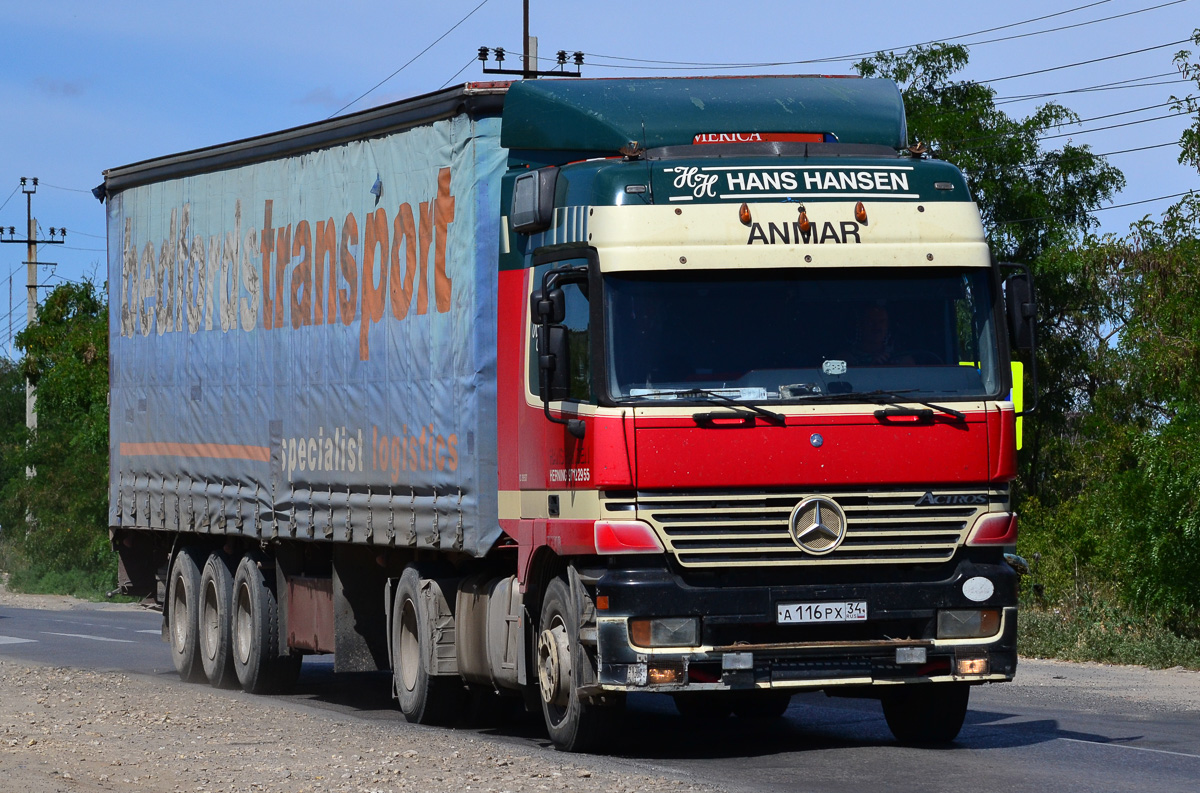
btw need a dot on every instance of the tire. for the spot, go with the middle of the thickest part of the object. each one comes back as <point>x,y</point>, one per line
<point>423,698</point>
<point>706,705</point>
<point>925,715</point>
<point>183,622</point>
<point>761,705</point>
<point>216,622</point>
<point>563,667</point>
<point>254,633</point>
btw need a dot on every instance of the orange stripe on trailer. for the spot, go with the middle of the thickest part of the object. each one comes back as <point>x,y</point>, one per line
<point>217,451</point>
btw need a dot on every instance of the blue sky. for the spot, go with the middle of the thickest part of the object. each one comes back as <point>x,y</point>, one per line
<point>90,85</point>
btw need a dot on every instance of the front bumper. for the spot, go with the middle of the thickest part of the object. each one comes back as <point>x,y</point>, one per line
<point>742,647</point>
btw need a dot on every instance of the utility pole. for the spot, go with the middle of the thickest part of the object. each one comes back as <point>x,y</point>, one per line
<point>31,243</point>
<point>529,69</point>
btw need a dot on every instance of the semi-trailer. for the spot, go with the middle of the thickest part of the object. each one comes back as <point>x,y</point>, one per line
<point>557,390</point>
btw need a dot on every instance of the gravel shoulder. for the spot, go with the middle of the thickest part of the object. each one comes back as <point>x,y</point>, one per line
<point>78,731</point>
<point>69,730</point>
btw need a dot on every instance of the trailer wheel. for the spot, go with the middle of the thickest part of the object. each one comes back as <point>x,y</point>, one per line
<point>424,698</point>
<point>564,667</point>
<point>183,623</point>
<point>216,621</point>
<point>255,633</point>
<point>926,714</point>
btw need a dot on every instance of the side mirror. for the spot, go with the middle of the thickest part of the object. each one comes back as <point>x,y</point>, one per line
<point>547,307</point>
<point>1021,310</point>
<point>554,361</point>
<point>533,201</point>
<point>548,310</point>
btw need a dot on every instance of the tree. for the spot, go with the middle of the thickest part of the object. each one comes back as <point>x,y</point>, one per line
<point>66,358</point>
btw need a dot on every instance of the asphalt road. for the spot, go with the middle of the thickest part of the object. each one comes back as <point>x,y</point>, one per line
<point>1053,740</point>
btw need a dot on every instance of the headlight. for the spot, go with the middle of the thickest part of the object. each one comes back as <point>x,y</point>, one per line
<point>665,631</point>
<point>967,623</point>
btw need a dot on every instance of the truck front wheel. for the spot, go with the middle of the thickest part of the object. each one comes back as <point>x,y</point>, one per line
<point>926,714</point>
<point>183,622</point>
<point>563,667</point>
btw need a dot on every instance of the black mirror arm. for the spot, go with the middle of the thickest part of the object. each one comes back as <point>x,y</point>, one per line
<point>546,362</point>
<point>1029,313</point>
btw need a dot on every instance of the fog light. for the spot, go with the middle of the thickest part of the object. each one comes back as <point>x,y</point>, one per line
<point>967,624</point>
<point>660,675</point>
<point>665,631</point>
<point>971,666</point>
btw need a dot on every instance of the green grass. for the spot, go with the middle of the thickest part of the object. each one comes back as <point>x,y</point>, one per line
<point>1103,633</point>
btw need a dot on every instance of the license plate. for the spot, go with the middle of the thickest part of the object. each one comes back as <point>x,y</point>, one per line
<point>846,611</point>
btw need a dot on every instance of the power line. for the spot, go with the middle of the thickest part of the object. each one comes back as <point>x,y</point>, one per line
<point>686,65</point>
<point>68,189</point>
<point>1076,25</point>
<point>10,195</point>
<point>1085,63</point>
<point>466,66</point>
<point>1113,126</point>
<point>1132,82</point>
<point>85,234</point>
<point>413,58</point>
<point>1069,123</point>
<point>1098,209</point>
<point>1089,154</point>
<point>855,54</point>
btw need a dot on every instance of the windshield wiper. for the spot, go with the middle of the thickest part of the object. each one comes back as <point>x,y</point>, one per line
<point>885,398</point>
<point>739,406</point>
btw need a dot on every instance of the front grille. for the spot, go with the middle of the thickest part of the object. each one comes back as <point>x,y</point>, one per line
<point>745,529</point>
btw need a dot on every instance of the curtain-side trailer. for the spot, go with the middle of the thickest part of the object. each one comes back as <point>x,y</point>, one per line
<point>565,389</point>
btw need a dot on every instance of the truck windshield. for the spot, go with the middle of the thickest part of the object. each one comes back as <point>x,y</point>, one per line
<point>793,335</point>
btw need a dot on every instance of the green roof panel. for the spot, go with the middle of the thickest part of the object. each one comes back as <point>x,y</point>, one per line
<point>604,115</point>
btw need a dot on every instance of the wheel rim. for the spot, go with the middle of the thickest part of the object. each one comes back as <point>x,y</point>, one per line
<point>210,621</point>
<point>410,645</point>
<point>178,615</point>
<point>554,665</point>
<point>243,624</point>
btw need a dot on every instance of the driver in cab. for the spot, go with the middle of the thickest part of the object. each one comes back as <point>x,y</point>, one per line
<point>872,344</point>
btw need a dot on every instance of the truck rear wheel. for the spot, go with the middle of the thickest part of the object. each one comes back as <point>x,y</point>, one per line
<point>216,621</point>
<point>424,698</point>
<point>927,714</point>
<point>183,622</point>
<point>255,633</point>
<point>564,667</point>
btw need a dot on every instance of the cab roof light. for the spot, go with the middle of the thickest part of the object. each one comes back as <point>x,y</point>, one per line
<point>997,529</point>
<point>625,536</point>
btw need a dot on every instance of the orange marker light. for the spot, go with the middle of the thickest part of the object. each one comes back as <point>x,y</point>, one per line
<point>804,223</point>
<point>744,215</point>
<point>601,602</point>
<point>860,213</point>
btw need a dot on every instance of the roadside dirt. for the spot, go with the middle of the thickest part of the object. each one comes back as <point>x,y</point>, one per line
<point>71,731</point>
<point>75,731</point>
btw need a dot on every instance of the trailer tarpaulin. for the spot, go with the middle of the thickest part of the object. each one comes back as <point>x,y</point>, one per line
<point>305,346</point>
